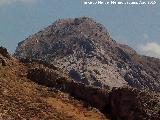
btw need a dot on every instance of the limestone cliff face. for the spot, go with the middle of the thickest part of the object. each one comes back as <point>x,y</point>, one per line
<point>86,51</point>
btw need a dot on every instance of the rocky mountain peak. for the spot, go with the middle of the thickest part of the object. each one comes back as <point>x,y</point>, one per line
<point>67,34</point>
<point>84,49</point>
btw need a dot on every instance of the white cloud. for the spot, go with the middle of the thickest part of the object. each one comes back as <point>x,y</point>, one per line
<point>2,2</point>
<point>150,49</point>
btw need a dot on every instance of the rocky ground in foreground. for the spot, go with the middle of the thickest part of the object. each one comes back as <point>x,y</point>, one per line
<point>33,89</point>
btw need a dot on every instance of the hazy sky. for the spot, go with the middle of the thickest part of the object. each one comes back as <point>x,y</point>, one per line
<point>135,25</point>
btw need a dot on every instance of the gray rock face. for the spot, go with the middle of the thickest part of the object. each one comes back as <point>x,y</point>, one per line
<point>85,49</point>
<point>4,52</point>
<point>4,57</point>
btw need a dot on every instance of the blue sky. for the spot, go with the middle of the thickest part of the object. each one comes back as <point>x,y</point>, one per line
<point>135,25</point>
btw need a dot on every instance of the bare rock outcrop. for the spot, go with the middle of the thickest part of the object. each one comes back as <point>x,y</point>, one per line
<point>132,104</point>
<point>4,52</point>
<point>4,57</point>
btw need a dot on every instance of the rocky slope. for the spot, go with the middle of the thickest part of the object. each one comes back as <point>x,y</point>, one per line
<point>119,103</point>
<point>34,89</point>
<point>86,51</point>
<point>23,99</point>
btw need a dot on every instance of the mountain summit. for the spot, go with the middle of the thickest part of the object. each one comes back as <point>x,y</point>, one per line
<point>84,49</point>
